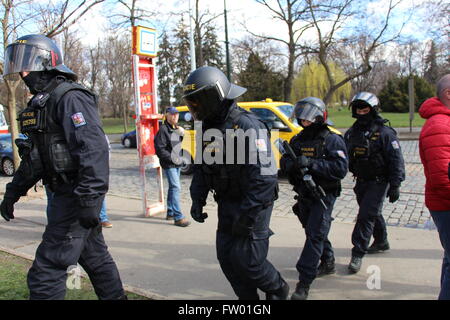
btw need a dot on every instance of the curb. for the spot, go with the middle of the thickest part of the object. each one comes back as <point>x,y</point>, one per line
<point>141,292</point>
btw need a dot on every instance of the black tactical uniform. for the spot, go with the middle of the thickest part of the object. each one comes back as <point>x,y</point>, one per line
<point>320,153</point>
<point>66,147</point>
<point>376,161</point>
<point>243,180</point>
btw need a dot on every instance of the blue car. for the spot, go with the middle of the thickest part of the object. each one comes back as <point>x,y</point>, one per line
<point>6,154</point>
<point>129,139</point>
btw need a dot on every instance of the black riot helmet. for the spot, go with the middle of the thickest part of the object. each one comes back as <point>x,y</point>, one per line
<point>205,90</point>
<point>35,52</point>
<point>363,100</point>
<point>312,109</point>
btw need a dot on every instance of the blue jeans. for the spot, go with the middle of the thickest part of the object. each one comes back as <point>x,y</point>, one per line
<point>173,195</point>
<point>49,198</point>
<point>103,214</point>
<point>442,221</point>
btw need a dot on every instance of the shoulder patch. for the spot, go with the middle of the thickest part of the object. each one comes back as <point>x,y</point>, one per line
<point>261,145</point>
<point>341,154</point>
<point>395,144</point>
<point>78,119</point>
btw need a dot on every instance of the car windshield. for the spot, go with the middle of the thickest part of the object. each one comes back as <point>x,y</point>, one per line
<point>287,110</point>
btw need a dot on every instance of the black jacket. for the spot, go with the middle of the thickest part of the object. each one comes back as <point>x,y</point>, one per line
<point>384,143</point>
<point>166,140</point>
<point>257,182</point>
<point>78,117</point>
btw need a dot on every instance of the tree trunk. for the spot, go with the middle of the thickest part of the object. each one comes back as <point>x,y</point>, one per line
<point>12,113</point>
<point>125,118</point>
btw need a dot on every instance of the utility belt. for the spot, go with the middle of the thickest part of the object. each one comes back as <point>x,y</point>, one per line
<point>378,179</point>
<point>225,183</point>
<point>333,187</point>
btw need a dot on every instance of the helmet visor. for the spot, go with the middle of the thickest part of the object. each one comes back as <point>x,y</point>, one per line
<point>22,57</point>
<point>307,112</point>
<point>203,103</point>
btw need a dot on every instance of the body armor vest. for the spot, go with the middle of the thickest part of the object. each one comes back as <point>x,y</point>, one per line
<point>48,145</point>
<point>366,154</point>
<point>315,149</point>
<point>226,180</point>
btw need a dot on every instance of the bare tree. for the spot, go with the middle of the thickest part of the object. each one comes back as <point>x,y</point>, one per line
<point>202,23</point>
<point>329,18</point>
<point>292,13</point>
<point>56,18</point>
<point>133,13</point>
<point>116,63</point>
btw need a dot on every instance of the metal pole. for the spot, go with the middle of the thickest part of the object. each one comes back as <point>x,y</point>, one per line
<point>191,40</point>
<point>226,41</point>
<point>411,102</point>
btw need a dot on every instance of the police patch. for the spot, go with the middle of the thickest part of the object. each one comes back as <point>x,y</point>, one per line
<point>261,145</point>
<point>78,119</point>
<point>395,145</point>
<point>341,154</point>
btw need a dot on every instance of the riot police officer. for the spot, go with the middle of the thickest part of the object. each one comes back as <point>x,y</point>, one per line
<point>235,163</point>
<point>66,147</point>
<point>320,164</point>
<point>376,161</point>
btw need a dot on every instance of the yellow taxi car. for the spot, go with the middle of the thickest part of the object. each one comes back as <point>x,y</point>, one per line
<point>275,114</point>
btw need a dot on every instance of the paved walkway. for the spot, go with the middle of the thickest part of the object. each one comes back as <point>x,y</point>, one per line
<point>169,262</point>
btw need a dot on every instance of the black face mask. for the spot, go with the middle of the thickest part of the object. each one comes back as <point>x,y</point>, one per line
<point>364,119</point>
<point>37,81</point>
<point>313,130</point>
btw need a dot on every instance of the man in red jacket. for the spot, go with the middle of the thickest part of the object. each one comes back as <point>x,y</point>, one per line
<point>434,146</point>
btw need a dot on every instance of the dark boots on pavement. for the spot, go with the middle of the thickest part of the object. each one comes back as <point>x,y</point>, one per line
<point>326,267</point>
<point>281,294</point>
<point>301,291</point>
<point>355,264</point>
<point>378,247</point>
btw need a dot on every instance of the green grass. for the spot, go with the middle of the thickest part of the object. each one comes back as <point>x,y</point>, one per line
<point>115,125</point>
<point>13,282</point>
<point>343,118</point>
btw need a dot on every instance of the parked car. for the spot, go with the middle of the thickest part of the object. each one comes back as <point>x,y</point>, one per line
<point>6,154</point>
<point>129,139</point>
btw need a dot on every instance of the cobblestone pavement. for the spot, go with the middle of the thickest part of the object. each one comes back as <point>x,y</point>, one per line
<point>409,210</point>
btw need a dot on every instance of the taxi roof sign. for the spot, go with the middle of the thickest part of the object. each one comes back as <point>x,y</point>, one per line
<point>144,41</point>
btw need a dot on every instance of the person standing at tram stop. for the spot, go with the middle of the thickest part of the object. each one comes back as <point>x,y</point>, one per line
<point>376,162</point>
<point>244,184</point>
<point>322,153</point>
<point>434,148</point>
<point>66,147</point>
<point>168,137</point>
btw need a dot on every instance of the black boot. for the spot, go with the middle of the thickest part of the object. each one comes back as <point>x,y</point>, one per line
<point>301,291</point>
<point>378,247</point>
<point>326,267</point>
<point>280,294</point>
<point>355,264</point>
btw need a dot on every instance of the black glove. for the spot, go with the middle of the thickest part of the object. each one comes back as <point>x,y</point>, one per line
<point>89,217</point>
<point>393,193</point>
<point>197,212</point>
<point>303,162</point>
<point>242,227</point>
<point>7,208</point>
